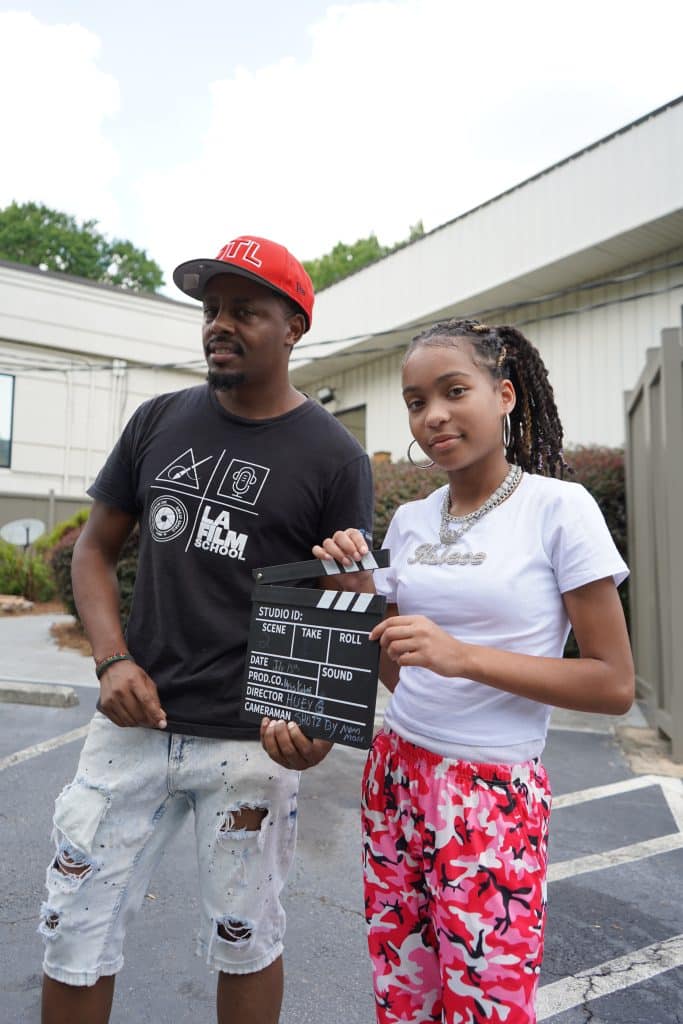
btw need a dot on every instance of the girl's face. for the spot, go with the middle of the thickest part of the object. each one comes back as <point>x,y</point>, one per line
<point>455,407</point>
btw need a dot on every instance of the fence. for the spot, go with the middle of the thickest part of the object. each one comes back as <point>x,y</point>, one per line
<point>654,497</point>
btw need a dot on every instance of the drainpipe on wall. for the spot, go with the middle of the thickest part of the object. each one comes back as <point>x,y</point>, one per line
<point>89,431</point>
<point>118,396</point>
<point>67,433</point>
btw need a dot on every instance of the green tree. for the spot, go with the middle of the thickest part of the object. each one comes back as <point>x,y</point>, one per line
<point>346,259</point>
<point>38,236</point>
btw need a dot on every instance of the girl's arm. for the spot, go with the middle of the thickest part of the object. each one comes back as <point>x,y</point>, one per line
<point>601,680</point>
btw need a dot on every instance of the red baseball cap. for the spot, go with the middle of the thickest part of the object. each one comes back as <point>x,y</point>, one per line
<point>258,259</point>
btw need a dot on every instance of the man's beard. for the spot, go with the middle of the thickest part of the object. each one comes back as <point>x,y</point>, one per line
<point>224,381</point>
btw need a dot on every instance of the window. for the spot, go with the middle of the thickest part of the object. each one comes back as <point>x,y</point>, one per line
<point>6,411</point>
<point>354,421</point>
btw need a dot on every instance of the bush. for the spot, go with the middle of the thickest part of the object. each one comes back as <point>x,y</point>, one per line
<point>48,541</point>
<point>62,554</point>
<point>396,483</point>
<point>601,471</point>
<point>40,581</point>
<point>25,573</point>
<point>30,573</point>
<point>11,569</point>
<point>58,546</point>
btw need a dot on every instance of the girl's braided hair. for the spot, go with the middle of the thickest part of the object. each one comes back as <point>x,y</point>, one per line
<point>535,428</point>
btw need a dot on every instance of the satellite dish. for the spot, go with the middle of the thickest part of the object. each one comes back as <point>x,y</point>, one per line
<point>22,531</point>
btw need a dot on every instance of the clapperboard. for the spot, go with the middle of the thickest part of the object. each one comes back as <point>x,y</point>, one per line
<point>309,659</point>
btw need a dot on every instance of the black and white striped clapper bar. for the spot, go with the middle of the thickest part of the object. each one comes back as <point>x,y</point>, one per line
<point>309,659</point>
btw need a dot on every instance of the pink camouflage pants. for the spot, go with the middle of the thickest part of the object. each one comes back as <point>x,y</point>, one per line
<point>455,858</point>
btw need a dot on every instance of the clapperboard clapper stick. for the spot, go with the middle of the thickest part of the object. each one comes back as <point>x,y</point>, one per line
<point>309,659</point>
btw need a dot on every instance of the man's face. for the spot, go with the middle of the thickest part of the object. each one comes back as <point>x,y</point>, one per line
<point>247,332</point>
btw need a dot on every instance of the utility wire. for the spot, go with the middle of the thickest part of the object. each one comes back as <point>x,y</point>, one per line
<point>522,304</point>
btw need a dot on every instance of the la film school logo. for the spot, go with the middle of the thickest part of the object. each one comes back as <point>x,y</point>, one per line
<point>243,481</point>
<point>242,484</point>
<point>168,518</point>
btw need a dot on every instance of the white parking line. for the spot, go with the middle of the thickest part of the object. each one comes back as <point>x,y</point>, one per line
<point>582,796</point>
<point>614,858</point>
<point>611,976</point>
<point>672,791</point>
<point>42,748</point>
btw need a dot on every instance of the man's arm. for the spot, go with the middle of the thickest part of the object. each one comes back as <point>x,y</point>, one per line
<point>127,694</point>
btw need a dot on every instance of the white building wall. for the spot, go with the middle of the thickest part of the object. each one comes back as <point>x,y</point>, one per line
<point>65,423</point>
<point>76,317</point>
<point>59,339</point>
<point>592,357</point>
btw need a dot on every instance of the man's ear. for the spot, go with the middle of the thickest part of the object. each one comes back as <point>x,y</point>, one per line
<point>297,327</point>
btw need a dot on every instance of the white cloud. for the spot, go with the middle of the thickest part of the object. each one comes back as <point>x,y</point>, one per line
<point>401,110</point>
<point>406,110</point>
<point>55,102</point>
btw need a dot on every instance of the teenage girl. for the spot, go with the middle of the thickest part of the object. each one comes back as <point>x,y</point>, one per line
<point>487,575</point>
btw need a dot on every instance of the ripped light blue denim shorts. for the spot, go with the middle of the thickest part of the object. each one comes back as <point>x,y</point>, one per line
<point>132,789</point>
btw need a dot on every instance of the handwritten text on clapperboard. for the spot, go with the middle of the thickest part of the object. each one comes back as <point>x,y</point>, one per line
<point>310,661</point>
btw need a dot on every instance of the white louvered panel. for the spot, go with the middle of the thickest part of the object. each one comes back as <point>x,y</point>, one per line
<point>592,358</point>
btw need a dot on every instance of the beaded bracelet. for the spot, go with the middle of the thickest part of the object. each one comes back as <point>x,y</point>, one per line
<point>103,664</point>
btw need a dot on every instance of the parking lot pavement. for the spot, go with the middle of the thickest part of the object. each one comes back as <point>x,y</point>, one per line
<point>614,949</point>
<point>30,655</point>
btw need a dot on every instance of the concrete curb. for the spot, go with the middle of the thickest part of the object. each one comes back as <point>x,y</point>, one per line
<point>53,695</point>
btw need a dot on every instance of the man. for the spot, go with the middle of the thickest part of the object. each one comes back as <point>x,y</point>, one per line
<point>243,471</point>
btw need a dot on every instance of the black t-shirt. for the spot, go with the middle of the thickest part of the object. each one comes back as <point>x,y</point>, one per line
<point>217,496</point>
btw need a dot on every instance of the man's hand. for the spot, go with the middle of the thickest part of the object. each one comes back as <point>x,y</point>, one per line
<point>128,697</point>
<point>285,743</point>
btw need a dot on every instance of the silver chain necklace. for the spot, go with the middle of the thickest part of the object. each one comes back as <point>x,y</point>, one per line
<point>453,528</point>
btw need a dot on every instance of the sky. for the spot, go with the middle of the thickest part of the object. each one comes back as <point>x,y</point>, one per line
<point>180,126</point>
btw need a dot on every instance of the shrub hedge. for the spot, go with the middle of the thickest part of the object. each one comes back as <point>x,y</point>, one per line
<point>30,573</point>
<point>600,470</point>
<point>125,571</point>
<point>25,573</point>
<point>48,542</point>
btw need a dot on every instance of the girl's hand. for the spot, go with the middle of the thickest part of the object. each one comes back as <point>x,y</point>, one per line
<point>346,546</point>
<point>416,640</point>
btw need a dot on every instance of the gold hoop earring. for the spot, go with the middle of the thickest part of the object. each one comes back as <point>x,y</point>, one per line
<point>418,465</point>
<point>507,431</point>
